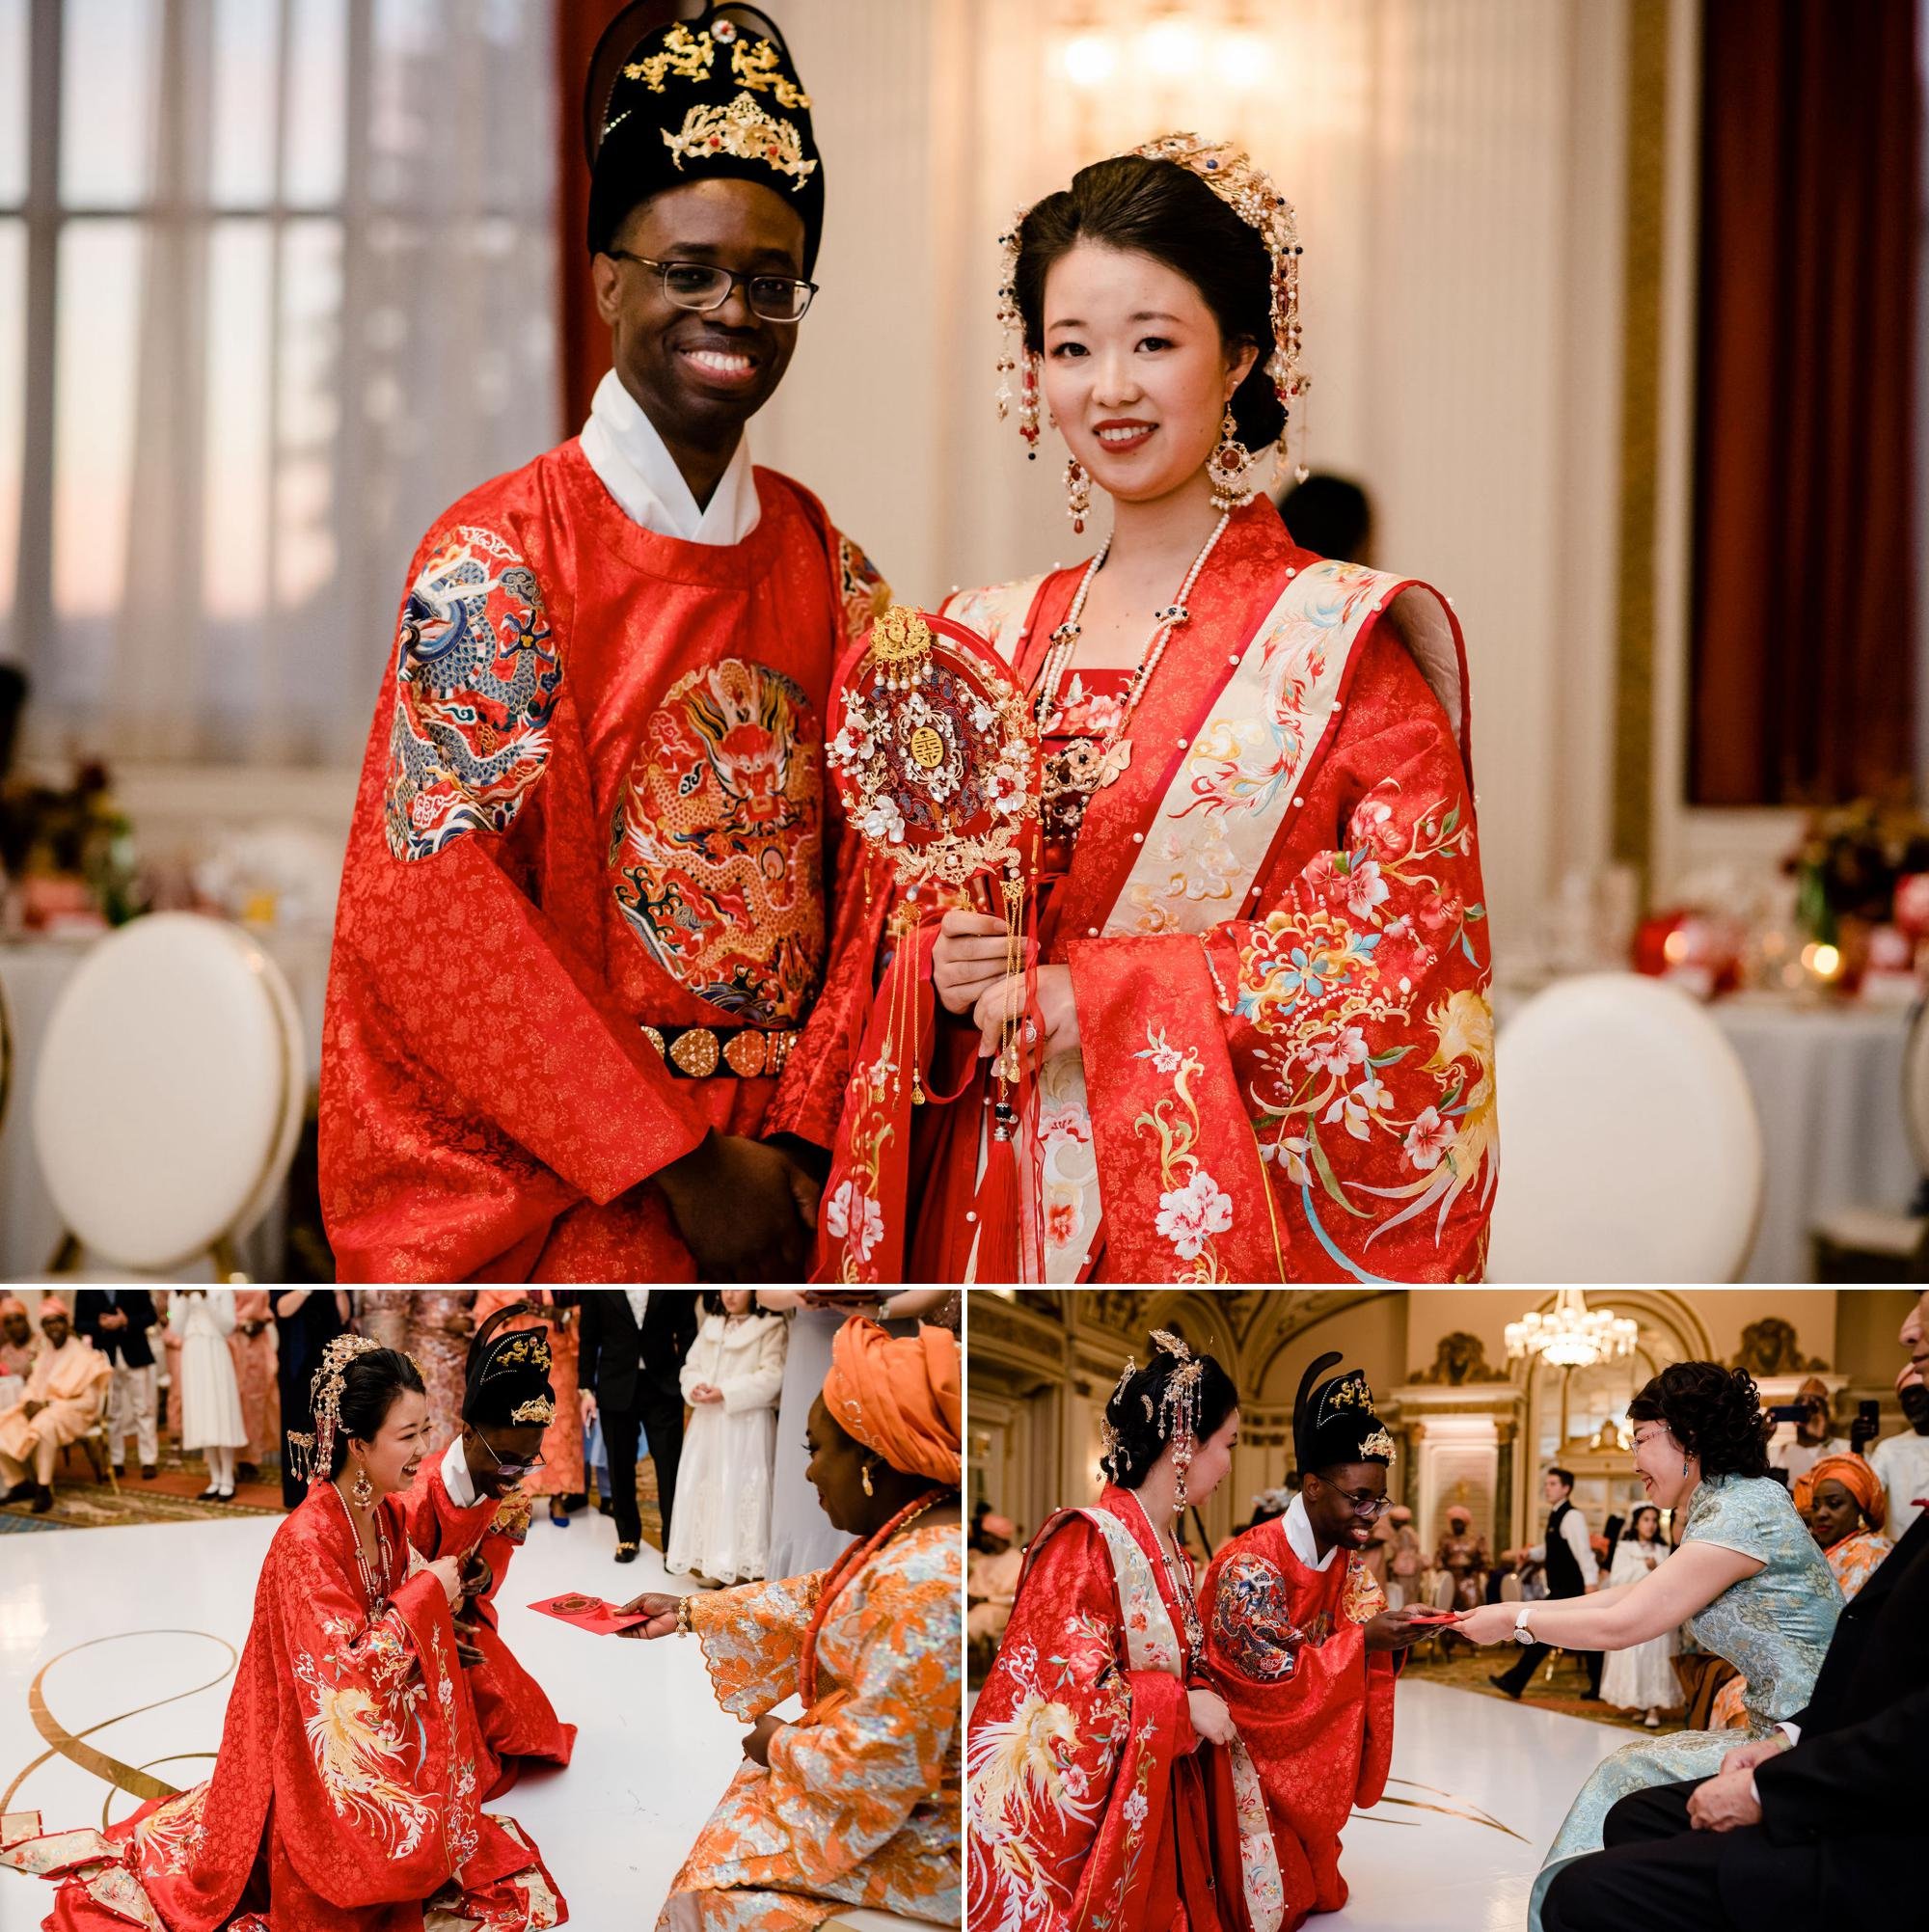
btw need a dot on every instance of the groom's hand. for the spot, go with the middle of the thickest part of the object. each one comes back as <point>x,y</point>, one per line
<point>1724,1803</point>
<point>1396,1629</point>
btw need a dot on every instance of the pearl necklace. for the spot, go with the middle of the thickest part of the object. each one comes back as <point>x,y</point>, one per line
<point>1087,765</point>
<point>1195,1633</point>
<point>372,1584</point>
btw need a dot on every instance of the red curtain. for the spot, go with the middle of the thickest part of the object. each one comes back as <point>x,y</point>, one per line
<point>1803,641</point>
<point>583,337</point>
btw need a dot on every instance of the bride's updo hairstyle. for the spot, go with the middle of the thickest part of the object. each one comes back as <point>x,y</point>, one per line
<point>1713,1413</point>
<point>1140,1417</point>
<point>1159,209</point>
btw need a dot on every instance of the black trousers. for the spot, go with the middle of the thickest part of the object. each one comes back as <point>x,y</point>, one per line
<point>661,1418</point>
<point>1534,1655</point>
<point>1655,1872</point>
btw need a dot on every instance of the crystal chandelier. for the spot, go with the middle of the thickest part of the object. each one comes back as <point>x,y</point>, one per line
<point>1572,1334</point>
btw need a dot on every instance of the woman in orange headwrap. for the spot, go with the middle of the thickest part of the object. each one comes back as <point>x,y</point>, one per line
<point>857,1802</point>
<point>1841,1500</point>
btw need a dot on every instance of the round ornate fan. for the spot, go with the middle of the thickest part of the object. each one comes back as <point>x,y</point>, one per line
<point>935,753</point>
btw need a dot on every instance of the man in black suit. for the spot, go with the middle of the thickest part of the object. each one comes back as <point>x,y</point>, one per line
<point>116,1320</point>
<point>633,1342</point>
<point>1825,1822</point>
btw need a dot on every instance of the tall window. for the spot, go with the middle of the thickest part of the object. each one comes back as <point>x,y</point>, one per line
<point>275,289</point>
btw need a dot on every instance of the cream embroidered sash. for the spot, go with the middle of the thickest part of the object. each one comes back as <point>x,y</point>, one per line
<point>1151,1643</point>
<point>1229,799</point>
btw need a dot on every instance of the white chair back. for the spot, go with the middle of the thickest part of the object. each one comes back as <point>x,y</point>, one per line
<point>169,1095</point>
<point>1443,1591</point>
<point>1631,1151</point>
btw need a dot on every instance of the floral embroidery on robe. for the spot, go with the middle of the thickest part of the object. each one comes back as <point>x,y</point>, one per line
<point>859,1805</point>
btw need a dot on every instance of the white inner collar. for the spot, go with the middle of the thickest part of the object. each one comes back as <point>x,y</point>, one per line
<point>634,465</point>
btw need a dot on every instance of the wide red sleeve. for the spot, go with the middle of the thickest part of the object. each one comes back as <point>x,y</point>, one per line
<point>381,1743</point>
<point>476,1079</point>
<point>810,1095</point>
<point>1350,1058</point>
<point>1070,1754</point>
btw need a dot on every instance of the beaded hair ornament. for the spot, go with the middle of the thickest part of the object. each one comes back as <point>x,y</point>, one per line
<point>314,1453</point>
<point>1176,1417</point>
<point>1246,189</point>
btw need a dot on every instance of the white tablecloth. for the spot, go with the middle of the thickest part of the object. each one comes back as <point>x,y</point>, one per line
<point>34,972</point>
<point>1828,1087</point>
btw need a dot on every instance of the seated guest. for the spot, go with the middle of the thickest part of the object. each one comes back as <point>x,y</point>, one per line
<point>19,1345</point>
<point>345,1796</point>
<point>67,1390</point>
<point>857,1802</point>
<point>1841,1501</point>
<point>1821,1819</point>
<point>1900,1461</point>
<point>992,1579</point>
<point>469,1503</point>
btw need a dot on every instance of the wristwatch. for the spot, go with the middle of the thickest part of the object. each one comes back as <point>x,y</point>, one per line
<point>1521,1633</point>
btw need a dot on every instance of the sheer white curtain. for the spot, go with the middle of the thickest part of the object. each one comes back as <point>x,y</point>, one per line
<point>303,272</point>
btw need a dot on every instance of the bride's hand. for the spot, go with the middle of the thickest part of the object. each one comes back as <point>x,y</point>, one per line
<point>968,959</point>
<point>447,1571</point>
<point>1057,1009</point>
<point>1210,1718</point>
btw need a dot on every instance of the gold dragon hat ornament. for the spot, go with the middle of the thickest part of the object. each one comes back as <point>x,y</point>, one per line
<point>1248,190</point>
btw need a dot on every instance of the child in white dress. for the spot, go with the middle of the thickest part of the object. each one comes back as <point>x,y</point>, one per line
<point>1642,1677</point>
<point>731,1379</point>
<point>211,1419</point>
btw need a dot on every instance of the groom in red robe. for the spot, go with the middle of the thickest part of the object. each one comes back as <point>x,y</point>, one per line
<point>1303,1648</point>
<point>583,915</point>
<point>470,1502</point>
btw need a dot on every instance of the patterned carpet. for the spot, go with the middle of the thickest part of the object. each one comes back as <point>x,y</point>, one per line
<point>173,1496</point>
<point>1563,1693</point>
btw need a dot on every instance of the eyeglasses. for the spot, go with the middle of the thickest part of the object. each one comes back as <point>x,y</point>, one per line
<point>704,287</point>
<point>508,1468</point>
<point>1364,1503</point>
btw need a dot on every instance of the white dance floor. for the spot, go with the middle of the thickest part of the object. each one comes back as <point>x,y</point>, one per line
<point>128,1632</point>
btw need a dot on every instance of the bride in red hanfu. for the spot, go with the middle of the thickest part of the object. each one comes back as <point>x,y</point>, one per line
<point>346,1795</point>
<point>1260,1015</point>
<point>1302,1645</point>
<point>1087,1801</point>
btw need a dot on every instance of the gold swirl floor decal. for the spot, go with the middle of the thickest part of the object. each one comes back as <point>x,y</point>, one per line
<point>133,1778</point>
<point>1475,1816</point>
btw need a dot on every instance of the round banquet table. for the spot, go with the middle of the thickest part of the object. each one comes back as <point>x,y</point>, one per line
<point>33,972</point>
<point>1827,1081</point>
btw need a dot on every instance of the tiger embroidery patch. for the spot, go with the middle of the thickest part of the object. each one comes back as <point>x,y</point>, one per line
<point>716,849</point>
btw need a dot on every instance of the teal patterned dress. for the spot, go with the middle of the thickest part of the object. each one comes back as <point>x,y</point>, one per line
<point>1774,1627</point>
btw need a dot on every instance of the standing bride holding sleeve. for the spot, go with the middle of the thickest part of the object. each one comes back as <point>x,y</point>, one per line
<point>1260,1014</point>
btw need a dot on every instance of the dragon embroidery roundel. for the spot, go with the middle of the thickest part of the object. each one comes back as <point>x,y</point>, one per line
<point>477,674</point>
<point>716,849</point>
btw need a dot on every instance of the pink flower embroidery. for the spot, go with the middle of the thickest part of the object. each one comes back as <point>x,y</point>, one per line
<point>1372,825</point>
<point>1427,1139</point>
<point>1366,889</point>
<point>1338,1053</point>
<point>1190,1216</point>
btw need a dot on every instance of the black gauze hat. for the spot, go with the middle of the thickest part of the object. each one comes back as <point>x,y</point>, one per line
<point>671,101</point>
<point>1337,1422</point>
<point>507,1379</point>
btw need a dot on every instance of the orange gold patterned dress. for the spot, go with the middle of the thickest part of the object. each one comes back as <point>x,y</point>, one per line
<point>860,1803</point>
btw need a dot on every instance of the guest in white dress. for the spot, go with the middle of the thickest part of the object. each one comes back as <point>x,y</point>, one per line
<point>211,1419</point>
<point>1642,1677</point>
<point>731,1379</point>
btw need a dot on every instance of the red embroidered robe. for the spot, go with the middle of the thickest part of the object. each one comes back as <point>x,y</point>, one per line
<point>1287,1651</point>
<point>518,1721</point>
<point>592,803</point>
<point>1276,939</point>
<point>1085,1799</point>
<point>345,1796</point>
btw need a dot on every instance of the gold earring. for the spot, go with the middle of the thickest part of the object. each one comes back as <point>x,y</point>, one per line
<point>363,1491</point>
<point>1228,467</point>
<point>868,1491</point>
<point>1078,495</point>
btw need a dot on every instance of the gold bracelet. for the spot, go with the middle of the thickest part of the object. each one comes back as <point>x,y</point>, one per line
<point>683,1628</point>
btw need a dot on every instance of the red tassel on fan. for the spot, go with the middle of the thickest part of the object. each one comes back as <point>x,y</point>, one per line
<point>997,1205</point>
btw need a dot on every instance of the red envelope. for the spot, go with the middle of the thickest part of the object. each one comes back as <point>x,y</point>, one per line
<point>589,1613</point>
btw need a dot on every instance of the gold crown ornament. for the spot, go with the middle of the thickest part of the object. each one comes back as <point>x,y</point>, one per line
<point>746,131</point>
